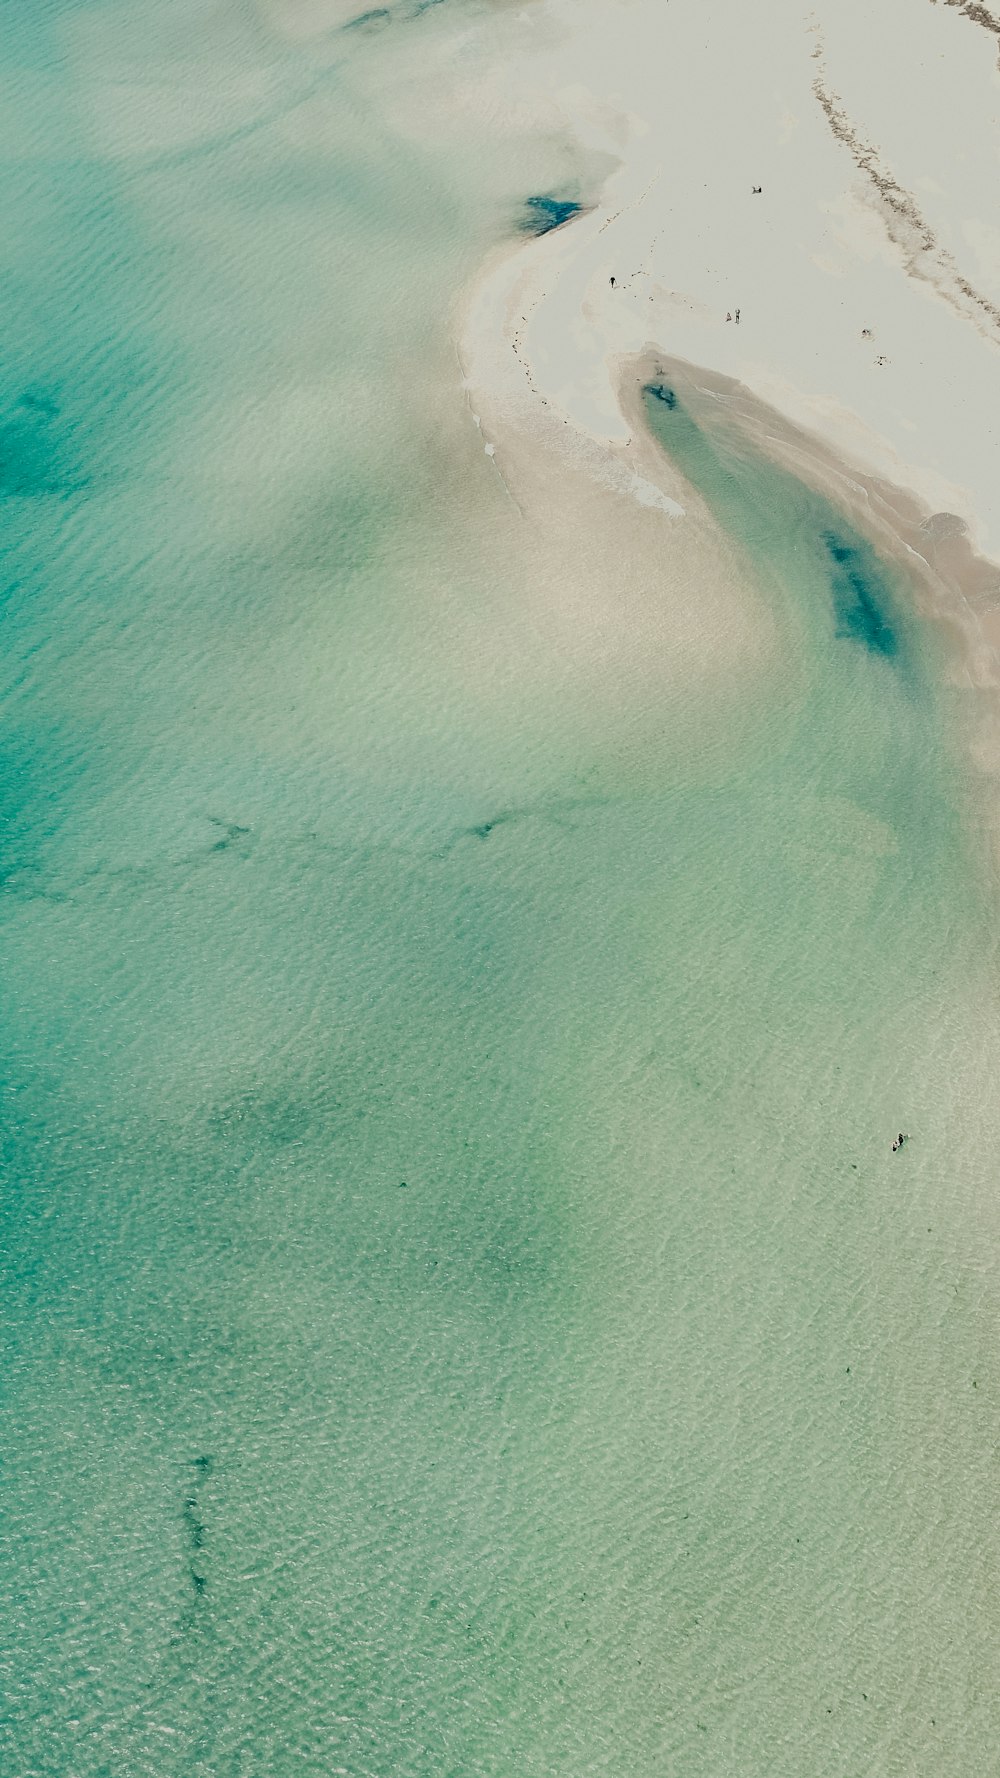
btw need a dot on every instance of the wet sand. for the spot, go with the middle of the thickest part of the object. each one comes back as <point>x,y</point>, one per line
<point>952,586</point>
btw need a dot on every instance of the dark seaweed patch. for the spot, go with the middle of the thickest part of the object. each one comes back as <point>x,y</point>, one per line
<point>195,1528</point>
<point>546,212</point>
<point>661,392</point>
<point>230,834</point>
<point>374,20</point>
<point>485,828</point>
<point>860,597</point>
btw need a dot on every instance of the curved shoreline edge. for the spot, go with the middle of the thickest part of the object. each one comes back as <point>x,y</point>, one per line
<point>843,240</point>
<point>523,411</point>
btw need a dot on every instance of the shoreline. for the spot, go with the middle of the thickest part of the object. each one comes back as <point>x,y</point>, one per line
<point>957,589</point>
<point>524,417</point>
<point>797,172</point>
<point>508,403</point>
<point>953,588</point>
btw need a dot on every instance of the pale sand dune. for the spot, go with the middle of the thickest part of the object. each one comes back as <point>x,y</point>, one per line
<point>866,271</point>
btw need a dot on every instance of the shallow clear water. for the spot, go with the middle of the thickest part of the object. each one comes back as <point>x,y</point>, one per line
<point>461,1312</point>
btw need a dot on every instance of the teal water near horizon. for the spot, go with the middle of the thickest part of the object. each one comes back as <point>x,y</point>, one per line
<point>461,1312</point>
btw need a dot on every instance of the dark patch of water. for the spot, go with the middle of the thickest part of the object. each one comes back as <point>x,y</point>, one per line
<point>546,212</point>
<point>861,598</point>
<point>31,459</point>
<point>661,392</point>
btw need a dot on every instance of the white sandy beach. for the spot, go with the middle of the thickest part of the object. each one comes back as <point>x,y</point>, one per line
<point>866,270</point>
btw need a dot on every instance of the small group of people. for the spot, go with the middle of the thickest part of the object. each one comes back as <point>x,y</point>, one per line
<point>897,1142</point>
<point>756,190</point>
<point>729,316</point>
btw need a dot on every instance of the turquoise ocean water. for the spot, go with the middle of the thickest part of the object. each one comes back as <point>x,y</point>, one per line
<point>460,1311</point>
